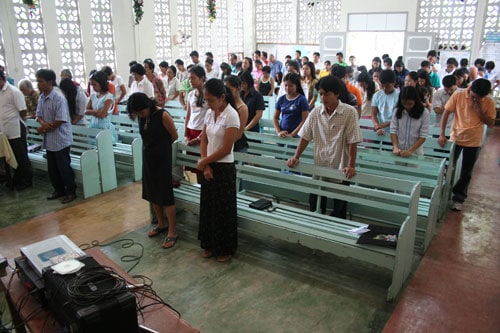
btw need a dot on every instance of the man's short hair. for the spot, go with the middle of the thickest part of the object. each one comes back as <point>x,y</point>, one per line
<point>209,54</point>
<point>48,75</point>
<point>449,81</point>
<point>257,52</point>
<point>209,61</point>
<point>340,54</point>
<point>452,61</point>
<point>490,65</point>
<point>138,69</point>
<point>425,63</point>
<point>432,53</point>
<point>151,64</point>
<point>387,76</point>
<point>317,54</point>
<point>264,54</point>
<point>194,53</point>
<point>179,62</point>
<point>338,71</point>
<point>479,62</point>
<point>298,51</point>
<point>107,70</point>
<point>481,87</point>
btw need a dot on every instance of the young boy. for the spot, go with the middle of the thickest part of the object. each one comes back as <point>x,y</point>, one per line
<point>384,101</point>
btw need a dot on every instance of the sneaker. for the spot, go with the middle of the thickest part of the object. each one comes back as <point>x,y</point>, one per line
<point>457,206</point>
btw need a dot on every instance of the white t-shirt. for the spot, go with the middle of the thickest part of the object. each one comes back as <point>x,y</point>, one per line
<point>144,86</point>
<point>216,130</point>
<point>11,103</point>
<point>197,116</point>
<point>172,87</point>
<point>118,82</point>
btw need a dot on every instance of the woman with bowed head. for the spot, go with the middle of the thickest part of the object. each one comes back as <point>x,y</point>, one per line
<point>101,103</point>
<point>195,112</point>
<point>233,84</point>
<point>158,132</point>
<point>292,107</point>
<point>77,101</point>
<point>217,229</point>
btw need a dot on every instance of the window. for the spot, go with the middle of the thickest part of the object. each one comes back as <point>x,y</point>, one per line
<point>163,35</point>
<point>204,33</point>
<point>185,28</point>
<point>273,22</point>
<point>316,17</point>
<point>70,39</point>
<point>452,21</point>
<point>31,39</point>
<point>102,28</point>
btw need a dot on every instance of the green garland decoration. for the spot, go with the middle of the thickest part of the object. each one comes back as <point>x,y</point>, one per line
<point>212,10</point>
<point>138,10</point>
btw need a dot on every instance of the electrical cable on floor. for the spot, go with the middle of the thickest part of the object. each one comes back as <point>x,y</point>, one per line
<point>127,243</point>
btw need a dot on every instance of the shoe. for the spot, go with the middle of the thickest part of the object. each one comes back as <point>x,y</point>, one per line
<point>55,195</point>
<point>171,240</point>
<point>206,254</point>
<point>224,258</point>
<point>156,231</point>
<point>68,198</point>
<point>457,206</point>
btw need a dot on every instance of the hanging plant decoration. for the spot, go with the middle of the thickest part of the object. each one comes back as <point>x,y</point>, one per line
<point>212,10</point>
<point>138,10</point>
<point>32,4</point>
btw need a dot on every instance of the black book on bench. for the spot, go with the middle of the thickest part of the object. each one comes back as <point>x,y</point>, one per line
<point>261,204</point>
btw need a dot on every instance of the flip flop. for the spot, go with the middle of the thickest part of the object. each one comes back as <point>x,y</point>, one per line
<point>156,231</point>
<point>168,240</point>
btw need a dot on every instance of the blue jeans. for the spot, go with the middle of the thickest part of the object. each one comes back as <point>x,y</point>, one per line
<point>61,174</point>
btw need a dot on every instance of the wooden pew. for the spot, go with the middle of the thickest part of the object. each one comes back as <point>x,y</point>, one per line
<point>313,229</point>
<point>128,149</point>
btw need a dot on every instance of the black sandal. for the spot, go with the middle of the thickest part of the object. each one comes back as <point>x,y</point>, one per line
<point>156,231</point>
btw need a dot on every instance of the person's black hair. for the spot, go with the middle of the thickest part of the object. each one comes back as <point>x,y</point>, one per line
<point>194,53</point>
<point>264,54</point>
<point>399,63</point>
<point>150,63</point>
<point>410,93</point>
<point>132,63</point>
<point>464,62</point>
<point>338,71</point>
<point>387,76</point>
<point>337,86</point>
<point>299,52</point>
<point>179,62</point>
<point>172,67</point>
<point>306,58</point>
<point>452,61</point>
<point>101,78</point>
<point>225,69</point>
<point>481,87</point>
<point>257,52</point>
<point>163,64</point>
<point>138,69</point>
<point>413,75</point>
<point>2,74</point>
<point>490,65</point>
<point>449,81</point>
<point>377,59</point>
<point>479,62</point>
<point>422,74</point>
<point>295,79</point>
<point>432,53</point>
<point>294,64</point>
<point>366,78</point>
<point>107,70</point>
<point>234,56</point>
<point>239,64</point>
<point>362,69</point>
<point>69,89</point>
<point>258,62</point>
<point>47,75</point>
<point>388,61</point>
<point>340,54</point>
<point>425,63</point>
<point>317,53</point>
<point>216,87</point>
<point>266,69</point>
<point>246,77</point>
<point>137,102</point>
<point>199,72</point>
<point>250,61</point>
<point>209,61</point>
<point>209,54</point>
<point>233,80</point>
<point>328,61</point>
<point>385,56</point>
<point>310,64</point>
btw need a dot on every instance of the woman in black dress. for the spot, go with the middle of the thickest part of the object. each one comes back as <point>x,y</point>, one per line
<point>158,132</point>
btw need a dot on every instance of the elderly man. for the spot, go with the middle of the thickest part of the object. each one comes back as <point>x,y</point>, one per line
<point>12,111</point>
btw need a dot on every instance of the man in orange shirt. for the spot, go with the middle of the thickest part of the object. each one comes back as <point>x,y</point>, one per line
<point>473,109</point>
<point>341,72</point>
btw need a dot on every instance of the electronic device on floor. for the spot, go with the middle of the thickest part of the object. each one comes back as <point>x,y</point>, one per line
<point>30,279</point>
<point>51,251</point>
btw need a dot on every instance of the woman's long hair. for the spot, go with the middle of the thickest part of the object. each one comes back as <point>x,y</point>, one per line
<point>370,89</point>
<point>216,87</point>
<point>410,93</point>
<point>69,89</point>
<point>295,79</point>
